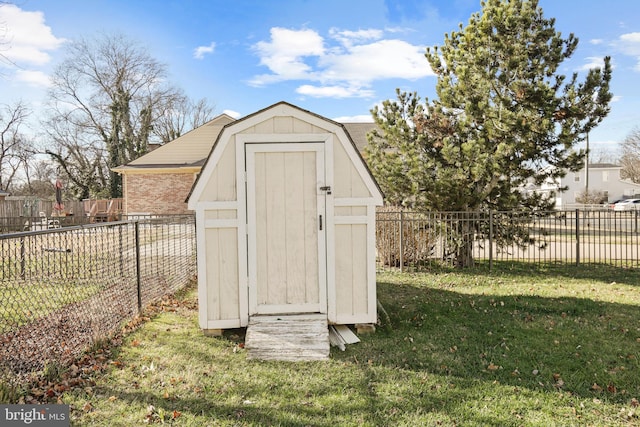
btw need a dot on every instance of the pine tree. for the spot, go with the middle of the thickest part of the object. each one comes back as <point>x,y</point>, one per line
<point>504,117</point>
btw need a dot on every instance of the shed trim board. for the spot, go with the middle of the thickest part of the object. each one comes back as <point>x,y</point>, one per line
<point>230,200</point>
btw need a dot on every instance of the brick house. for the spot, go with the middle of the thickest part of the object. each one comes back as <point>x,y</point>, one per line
<point>159,182</point>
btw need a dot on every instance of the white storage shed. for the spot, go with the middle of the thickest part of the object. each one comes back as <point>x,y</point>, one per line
<point>285,218</point>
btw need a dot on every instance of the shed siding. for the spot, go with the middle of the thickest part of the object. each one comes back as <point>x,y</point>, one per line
<point>222,185</point>
<point>347,180</point>
<point>222,274</point>
<point>352,274</point>
<point>222,199</point>
<point>283,124</point>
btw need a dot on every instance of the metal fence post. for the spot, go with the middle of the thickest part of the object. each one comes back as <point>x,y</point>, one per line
<point>121,250</point>
<point>22,260</point>
<point>138,279</point>
<point>401,241</point>
<point>490,240</point>
<point>577,236</point>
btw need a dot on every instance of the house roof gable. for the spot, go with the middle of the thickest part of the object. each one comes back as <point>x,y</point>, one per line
<point>189,149</point>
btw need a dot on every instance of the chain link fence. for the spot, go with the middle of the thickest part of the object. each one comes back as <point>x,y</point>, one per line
<point>415,240</point>
<point>62,290</point>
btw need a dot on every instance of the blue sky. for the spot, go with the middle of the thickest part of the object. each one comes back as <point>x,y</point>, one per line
<point>337,58</point>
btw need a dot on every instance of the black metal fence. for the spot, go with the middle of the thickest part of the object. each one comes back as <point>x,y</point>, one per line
<point>63,289</point>
<point>413,240</point>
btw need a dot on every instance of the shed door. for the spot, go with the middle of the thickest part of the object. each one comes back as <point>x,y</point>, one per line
<point>286,241</point>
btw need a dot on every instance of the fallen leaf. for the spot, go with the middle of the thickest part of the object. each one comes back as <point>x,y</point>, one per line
<point>175,414</point>
<point>493,367</point>
<point>112,398</point>
<point>596,387</point>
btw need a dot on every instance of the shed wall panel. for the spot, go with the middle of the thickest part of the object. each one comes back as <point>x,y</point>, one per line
<point>347,180</point>
<point>222,273</point>
<point>222,185</point>
<point>283,125</point>
<point>359,266</point>
<point>300,126</point>
<point>351,270</point>
<point>344,272</point>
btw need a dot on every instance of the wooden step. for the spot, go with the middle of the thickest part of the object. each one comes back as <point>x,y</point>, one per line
<point>289,338</point>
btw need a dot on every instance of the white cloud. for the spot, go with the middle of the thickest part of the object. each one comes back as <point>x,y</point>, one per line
<point>592,62</point>
<point>384,59</point>
<point>348,38</point>
<point>596,41</point>
<point>284,54</point>
<point>201,51</point>
<point>334,91</point>
<point>33,78</point>
<point>361,118</point>
<point>27,36</point>
<point>345,65</point>
<point>629,44</point>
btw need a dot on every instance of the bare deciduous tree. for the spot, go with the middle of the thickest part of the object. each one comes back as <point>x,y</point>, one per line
<point>630,156</point>
<point>182,117</point>
<point>13,143</point>
<point>39,177</point>
<point>109,100</point>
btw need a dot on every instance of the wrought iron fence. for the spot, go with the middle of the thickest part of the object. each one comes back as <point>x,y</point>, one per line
<point>63,289</point>
<point>414,240</point>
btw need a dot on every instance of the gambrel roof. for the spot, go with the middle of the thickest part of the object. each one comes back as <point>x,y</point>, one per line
<point>284,109</point>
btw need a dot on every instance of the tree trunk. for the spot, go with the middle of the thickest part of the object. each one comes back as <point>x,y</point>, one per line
<point>465,239</point>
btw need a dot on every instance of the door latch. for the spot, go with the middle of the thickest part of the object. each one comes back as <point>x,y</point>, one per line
<point>326,188</point>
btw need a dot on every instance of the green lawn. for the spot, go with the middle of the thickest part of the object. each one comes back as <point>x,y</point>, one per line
<point>522,346</point>
<point>23,302</point>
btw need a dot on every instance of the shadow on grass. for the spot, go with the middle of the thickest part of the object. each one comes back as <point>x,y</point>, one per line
<point>446,358</point>
<point>600,272</point>
<point>587,348</point>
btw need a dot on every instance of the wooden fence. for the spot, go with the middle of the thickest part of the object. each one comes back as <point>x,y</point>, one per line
<point>16,208</point>
<point>30,214</point>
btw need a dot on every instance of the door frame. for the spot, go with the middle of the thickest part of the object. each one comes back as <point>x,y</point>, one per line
<point>250,148</point>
